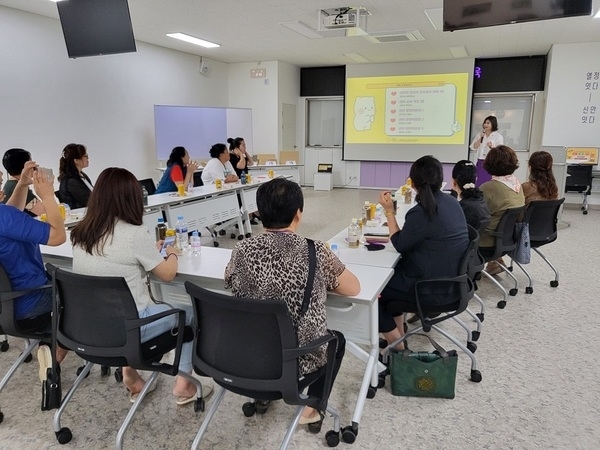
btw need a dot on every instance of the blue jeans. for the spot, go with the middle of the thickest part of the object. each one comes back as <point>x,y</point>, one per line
<point>40,303</point>
<point>160,326</point>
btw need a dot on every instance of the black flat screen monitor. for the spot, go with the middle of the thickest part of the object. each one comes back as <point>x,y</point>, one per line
<point>96,27</point>
<point>461,14</point>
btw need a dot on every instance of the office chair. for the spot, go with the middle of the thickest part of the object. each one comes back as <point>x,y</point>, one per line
<point>428,294</point>
<point>32,330</point>
<point>579,179</point>
<point>105,329</point>
<point>198,179</point>
<point>542,216</point>
<point>505,242</point>
<point>148,183</point>
<point>256,355</point>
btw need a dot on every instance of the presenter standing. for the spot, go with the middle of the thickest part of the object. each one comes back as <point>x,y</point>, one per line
<point>483,142</point>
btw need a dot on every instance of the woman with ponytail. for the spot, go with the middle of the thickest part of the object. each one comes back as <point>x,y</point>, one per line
<point>541,184</point>
<point>432,241</point>
<point>470,198</point>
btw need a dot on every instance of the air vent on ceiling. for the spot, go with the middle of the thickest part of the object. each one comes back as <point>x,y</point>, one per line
<point>386,37</point>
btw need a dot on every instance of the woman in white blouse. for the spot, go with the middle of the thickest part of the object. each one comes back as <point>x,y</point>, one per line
<point>219,166</point>
<point>483,142</point>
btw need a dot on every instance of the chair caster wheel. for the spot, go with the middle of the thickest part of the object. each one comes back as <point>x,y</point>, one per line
<point>480,316</point>
<point>104,371</point>
<point>240,237</point>
<point>371,392</point>
<point>510,268</point>
<point>472,347</point>
<point>28,358</point>
<point>475,376</point>
<point>349,434</point>
<point>248,409</point>
<point>475,335</point>
<point>80,369</point>
<point>380,382</point>
<point>4,346</point>
<point>248,235</point>
<point>233,236</point>
<point>553,283</point>
<point>64,435</point>
<point>332,438</point>
<point>215,244</point>
<point>222,232</point>
<point>501,304</point>
<point>119,374</point>
<point>585,212</point>
<point>513,292</point>
<point>199,405</point>
<point>261,406</point>
<point>529,290</point>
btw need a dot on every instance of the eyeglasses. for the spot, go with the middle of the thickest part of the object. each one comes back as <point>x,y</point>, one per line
<point>85,156</point>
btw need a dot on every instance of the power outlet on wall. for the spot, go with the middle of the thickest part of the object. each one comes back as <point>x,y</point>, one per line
<point>351,178</point>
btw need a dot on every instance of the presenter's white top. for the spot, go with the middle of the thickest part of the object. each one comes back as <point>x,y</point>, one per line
<point>495,138</point>
<point>215,169</point>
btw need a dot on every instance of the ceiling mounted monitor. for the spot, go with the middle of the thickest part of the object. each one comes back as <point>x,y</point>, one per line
<point>462,14</point>
<point>96,27</point>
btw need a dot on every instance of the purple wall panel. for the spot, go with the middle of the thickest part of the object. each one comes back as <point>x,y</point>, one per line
<point>367,174</point>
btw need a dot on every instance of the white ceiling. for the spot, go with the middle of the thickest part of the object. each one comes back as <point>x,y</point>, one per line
<point>250,30</point>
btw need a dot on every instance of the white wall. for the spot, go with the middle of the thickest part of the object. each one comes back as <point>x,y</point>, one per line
<point>105,103</point>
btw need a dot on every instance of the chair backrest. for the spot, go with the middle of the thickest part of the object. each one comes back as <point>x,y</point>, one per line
<point>93,313</point>
<point>148,183</point>
<point>505,232</point>
<point>198,179</point>
<point>542,216</point>
<point>476,263</point>
<point>579,177</point>
<point>58,196</point>
<point>264,157</point>
<point>35,328</point>
<point>245,345</point>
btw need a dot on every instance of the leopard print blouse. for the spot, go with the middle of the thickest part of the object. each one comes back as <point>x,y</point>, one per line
<point>275,265</point>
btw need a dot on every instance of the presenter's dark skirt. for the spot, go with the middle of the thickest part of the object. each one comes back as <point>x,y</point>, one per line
<point>482,175</point>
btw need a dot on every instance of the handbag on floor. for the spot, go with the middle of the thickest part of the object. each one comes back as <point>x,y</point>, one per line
<point>522,252</point>
<point>423,374</point>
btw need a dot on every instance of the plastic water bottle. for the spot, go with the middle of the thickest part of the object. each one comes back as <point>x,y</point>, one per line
<point>353,234</point>
<point>161,229</point>
<point>195,243</point>
<point>335,250</point>
<point>181,231</point>
<point>144,196</point>
<point>366,211</point>
<point>243,177</point>
<point>379,214</point>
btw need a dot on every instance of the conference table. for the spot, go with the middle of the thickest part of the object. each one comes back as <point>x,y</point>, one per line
<point>354,316</point>
<point>291,171</point>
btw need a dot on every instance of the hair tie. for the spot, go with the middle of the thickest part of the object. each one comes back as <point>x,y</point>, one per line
<point>469,163</point>
<point>469,186</point>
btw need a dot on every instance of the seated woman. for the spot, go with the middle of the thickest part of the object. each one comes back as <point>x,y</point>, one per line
<point>75,186</point>
<point>112,241</point>
<point>180,170</point>
<point>432,242</point>
<point>470,198</point>
<point>541,184</point>
<point>502,192</point>
<point>219,167</point>
<point>238,156</point>
<point>275,265</point>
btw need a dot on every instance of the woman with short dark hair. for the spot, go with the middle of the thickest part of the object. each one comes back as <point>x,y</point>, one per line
<point>274,265</point>
<point>180,170</point>
<point>502,192</point>
<point>238,155</point>
<point>482,143</point>
<point>111,240</point>
<point>75,186</point>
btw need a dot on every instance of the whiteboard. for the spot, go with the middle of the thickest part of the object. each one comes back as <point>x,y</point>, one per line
<point>514,114</point>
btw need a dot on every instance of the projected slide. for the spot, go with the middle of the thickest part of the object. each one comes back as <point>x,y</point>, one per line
<point>408,109</point>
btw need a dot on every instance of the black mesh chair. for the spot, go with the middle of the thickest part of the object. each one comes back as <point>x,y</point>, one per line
<point>579,179</point>
<point>456,292</point>
<point>505,241</point>
<point>105,329</point>
<point>148,183</point>
<point>542,216</point>
<point>32,330</point>
<point>256,355</point>
<point>198,179</point>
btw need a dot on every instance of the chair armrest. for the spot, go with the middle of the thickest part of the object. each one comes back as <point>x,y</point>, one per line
<point>9,295</point>
<point>460,279</point>
<point>312,346</point>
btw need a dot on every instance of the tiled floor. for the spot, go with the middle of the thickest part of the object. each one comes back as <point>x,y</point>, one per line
<point>538,358</point>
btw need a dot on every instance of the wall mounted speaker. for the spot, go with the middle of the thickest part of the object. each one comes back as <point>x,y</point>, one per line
<point>203,68</point>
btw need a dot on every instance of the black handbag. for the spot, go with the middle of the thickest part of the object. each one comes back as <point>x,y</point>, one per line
<point>423,374</point>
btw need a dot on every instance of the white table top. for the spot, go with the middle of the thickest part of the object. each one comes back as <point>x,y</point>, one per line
<point>274,166</point>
